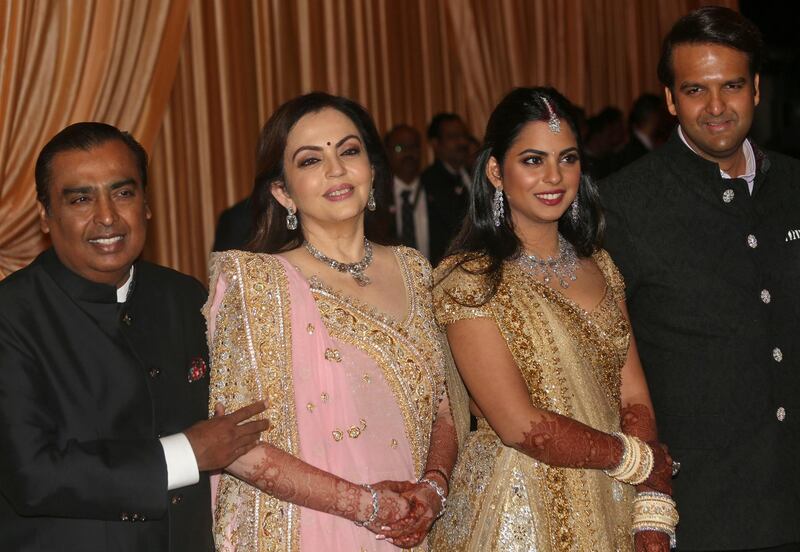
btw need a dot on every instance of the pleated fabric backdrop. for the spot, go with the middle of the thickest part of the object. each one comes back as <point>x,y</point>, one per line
<point>194,80</point>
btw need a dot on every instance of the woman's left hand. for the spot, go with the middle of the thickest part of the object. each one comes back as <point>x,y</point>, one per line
<point>424,508</point>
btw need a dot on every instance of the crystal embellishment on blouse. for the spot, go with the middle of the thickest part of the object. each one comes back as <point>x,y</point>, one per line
<point>727,195</point>
<point>393,443</point>
<point>310,407</point>
<point>310,329</point>
<point>337,435</point>
<point>333,355</point>
<point>765,296</point>
<point>323,397</point>
<point>777,354</point>
<point>752,242</point>
<point>366,378</point>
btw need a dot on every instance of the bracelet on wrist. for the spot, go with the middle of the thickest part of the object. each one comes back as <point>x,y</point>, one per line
<point>438,471</point>
<point>439,491</point>
<point>374,515</point>
<point>653,511</point>
<point>636,463</point>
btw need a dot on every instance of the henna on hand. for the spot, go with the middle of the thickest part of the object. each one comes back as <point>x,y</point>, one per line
<point>288,478</point>
<point>560,441</point>
<point>638,420</point>
<point>424,504</point>
<point>651,541</point>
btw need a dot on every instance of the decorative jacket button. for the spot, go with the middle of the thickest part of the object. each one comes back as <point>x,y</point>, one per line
<point>765,296</point>
<point>123,516</point>
<point>127,319</point>
<point>177,499</point>
<point>777,354</point>
<point>780,414</point>
<point>727,195</point>
<point>752,241</point>
<point>155,372</point>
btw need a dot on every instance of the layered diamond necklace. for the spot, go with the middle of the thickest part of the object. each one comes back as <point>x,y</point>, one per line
<point>564,267</point>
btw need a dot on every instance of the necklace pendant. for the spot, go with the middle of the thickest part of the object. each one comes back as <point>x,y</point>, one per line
<point>361,279</point>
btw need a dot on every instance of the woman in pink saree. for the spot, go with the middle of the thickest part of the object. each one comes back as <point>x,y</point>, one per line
<point>337,335</point>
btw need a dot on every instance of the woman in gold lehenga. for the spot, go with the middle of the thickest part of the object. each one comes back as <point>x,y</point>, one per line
<point>566,455</point>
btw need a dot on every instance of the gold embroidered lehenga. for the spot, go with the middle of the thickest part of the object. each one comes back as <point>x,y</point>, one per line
<point>571,360</point>
<point>350,391</point>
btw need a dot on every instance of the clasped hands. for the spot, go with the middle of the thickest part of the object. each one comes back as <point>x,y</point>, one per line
<point>406,511</point>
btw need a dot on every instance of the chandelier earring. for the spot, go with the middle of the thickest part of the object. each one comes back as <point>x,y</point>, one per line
<point>574,211</point>
<point>291,218</point>
<point>497,206</point>
<point>371,205</point>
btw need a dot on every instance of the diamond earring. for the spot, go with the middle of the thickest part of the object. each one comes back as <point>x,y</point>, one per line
<point>574,214</point>
<point>291,218</point>
<point>371,205</point>
<point>497,206</point>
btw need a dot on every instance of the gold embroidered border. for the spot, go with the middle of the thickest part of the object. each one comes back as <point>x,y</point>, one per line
<point>258,310</point>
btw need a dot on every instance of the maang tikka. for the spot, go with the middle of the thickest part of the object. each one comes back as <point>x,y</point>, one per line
<point>552,122</point>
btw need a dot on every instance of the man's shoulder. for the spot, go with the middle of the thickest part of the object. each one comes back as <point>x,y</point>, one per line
<point>21,285</point>
<point>170,280</point>
<point>782,162</point>
<point>641,179</point>
<point>433,171</point>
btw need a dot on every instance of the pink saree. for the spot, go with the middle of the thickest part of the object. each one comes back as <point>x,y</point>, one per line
<point>348,393</point>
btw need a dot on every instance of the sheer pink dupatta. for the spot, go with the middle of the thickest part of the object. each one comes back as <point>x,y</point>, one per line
<point>348,420</point>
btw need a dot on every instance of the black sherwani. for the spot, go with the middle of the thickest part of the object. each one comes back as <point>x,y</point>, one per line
<point>87,386</point>
<point>713,286</point>
<point>448,200</point>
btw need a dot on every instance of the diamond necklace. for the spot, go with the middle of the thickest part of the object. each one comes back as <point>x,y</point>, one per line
<point>564,267</point>
<point>356,270</point>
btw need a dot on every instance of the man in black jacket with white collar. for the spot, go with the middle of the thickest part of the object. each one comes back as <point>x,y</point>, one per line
<point>703,231</point>
<point>103,371</point>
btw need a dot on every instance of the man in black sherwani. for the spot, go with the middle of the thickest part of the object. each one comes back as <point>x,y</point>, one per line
<point>706,231</point>
<point>103,371</point>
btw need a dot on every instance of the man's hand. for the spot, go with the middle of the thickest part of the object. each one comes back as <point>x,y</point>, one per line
<point>225,437</point>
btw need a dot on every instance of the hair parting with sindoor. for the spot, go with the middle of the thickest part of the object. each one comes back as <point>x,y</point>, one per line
<point>479,238</point>
<point>271,234</point>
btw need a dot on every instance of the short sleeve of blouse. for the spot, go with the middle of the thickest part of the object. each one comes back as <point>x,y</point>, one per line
<point>613,277</point>
<point>458,293</point>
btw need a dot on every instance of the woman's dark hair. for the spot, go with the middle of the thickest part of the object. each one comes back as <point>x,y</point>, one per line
<point>479,238</point>
<point>270,232</point>
<point>711,25</point>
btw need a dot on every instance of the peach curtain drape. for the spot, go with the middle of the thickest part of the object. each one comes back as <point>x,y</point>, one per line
<point>194,80</point>
<point>66,61</point>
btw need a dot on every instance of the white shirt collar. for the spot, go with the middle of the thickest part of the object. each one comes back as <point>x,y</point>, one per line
<point>122,291</point>
<point>749,175</point>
